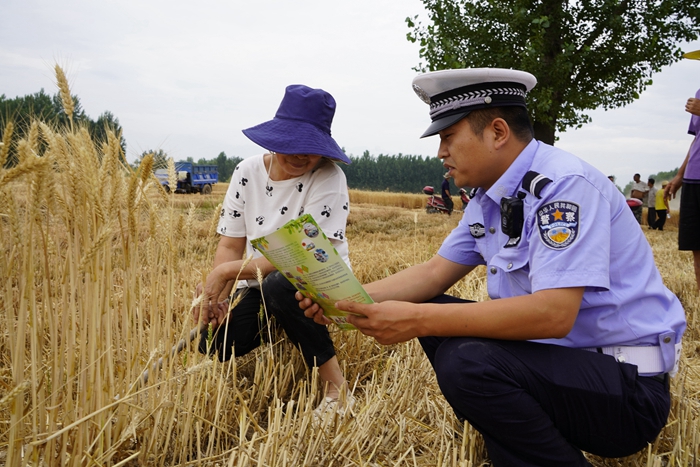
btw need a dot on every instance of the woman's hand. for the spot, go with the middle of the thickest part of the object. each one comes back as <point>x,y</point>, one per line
<point>213,314</point>
<point>217,280</point>
<point>312,309</point>
<point>214,311</point>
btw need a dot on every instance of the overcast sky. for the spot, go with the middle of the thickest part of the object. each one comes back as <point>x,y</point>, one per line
<point>186,77</point>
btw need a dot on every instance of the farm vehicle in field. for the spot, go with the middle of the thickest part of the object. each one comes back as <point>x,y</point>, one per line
<point>191,178</point>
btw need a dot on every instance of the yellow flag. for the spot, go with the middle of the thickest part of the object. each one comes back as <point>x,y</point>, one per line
<point>693,55</point>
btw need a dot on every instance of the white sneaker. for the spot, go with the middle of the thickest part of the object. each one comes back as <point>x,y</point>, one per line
<point>329,407</point>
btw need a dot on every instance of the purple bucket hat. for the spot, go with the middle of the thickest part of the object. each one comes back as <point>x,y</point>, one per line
<point>302,125</point>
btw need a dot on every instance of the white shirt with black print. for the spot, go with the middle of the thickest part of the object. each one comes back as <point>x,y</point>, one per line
<point>255,205</point>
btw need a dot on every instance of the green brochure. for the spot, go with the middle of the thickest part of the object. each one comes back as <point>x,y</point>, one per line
<point>302,252</point>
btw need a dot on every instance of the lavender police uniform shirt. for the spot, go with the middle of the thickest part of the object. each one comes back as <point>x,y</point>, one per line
<point>580,233</point>
<point>692,170</point>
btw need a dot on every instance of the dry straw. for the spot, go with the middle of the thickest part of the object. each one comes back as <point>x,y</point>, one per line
<point>96,282</point>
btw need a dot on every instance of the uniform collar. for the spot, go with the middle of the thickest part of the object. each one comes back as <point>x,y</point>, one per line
<point>512,178</point>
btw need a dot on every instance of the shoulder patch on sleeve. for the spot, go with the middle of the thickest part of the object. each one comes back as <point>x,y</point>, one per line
<point>558,224</point>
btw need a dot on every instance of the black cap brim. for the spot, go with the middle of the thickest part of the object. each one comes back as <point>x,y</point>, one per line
<point>438,125</point>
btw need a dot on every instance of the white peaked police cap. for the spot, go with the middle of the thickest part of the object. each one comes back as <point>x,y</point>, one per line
<point>453,94</point>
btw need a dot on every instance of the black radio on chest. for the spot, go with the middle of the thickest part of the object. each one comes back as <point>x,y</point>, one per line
<point>512,215</point>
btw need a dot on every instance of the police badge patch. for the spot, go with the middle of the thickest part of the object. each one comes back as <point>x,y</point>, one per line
<point>477,230</point>
<point>558,223</point>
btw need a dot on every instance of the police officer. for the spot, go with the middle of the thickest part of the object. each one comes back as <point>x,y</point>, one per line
<point>572,352</point>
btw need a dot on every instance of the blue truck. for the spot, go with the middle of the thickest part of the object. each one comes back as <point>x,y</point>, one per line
<point>191,178</point>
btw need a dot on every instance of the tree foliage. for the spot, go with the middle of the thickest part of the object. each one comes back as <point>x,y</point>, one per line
<point>224,165</point>
<point>104,123</point>
<point>42,107</point>
<point>585,54</point>
<point>397,173</point>
<point>160,158</point>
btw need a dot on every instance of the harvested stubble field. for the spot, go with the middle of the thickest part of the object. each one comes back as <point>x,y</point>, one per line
<point>97,272</point>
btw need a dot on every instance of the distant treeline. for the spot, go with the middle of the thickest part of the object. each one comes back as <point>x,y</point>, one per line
<point>18,114</point>
<point>403,173</point>
<point>224,164</point>
<point>397,173</point>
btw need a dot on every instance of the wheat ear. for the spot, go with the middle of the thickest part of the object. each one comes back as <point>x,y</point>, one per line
<point>31,165</point>
<point>64,91</point>
<point>16,391</point>
<point>6,141</point>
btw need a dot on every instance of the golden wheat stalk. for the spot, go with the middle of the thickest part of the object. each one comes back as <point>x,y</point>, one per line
<point>194,332</point>
<point>31,165</point>
<point>33,137</point>
<point>172,176</point>
<point>64,92</point>
<point>15,392</point>
<point>146,168</point>
<point>6,141</point>
<point>104,235</point>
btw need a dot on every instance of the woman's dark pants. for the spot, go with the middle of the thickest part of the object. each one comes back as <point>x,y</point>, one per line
<point>246,327</point>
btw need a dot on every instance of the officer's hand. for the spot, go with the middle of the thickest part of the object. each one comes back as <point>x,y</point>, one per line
<point>388,322</point>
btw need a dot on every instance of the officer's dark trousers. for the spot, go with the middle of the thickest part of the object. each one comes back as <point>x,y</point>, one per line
<point>246,327</point>
<point>541,405</point>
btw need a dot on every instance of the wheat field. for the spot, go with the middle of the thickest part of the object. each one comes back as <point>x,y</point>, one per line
<point>97,273</point>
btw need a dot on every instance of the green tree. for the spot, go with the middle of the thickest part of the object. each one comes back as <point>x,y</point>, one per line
<point>160,158</point>
<point>224,165</point>
<point>104,123</point>
<point>585,54</point>
<point>40,106</point>
<point>59,112</point>
<point>396,173</point>
<point>664,176</point>
<point>21,109</point>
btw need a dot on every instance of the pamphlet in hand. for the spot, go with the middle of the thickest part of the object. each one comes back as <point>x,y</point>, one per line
<point>302,252</point>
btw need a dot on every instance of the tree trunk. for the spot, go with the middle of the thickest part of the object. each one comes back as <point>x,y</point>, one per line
<point>544,133</point>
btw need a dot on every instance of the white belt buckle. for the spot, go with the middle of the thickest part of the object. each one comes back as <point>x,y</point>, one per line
<point>619,355</point>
